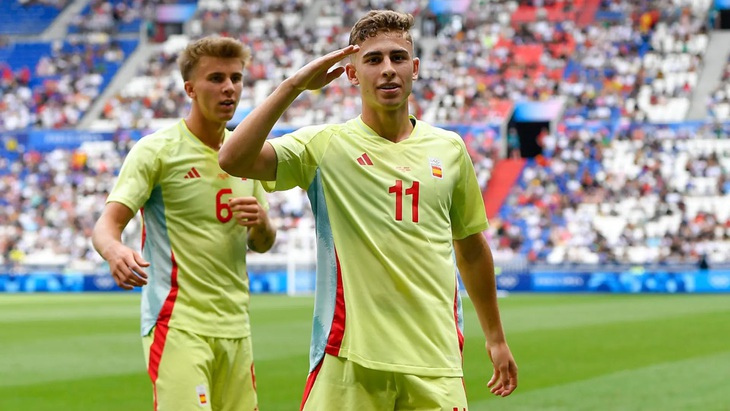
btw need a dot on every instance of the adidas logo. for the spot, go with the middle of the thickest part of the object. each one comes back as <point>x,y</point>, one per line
<point>193,173</point>
<point>364,160</point>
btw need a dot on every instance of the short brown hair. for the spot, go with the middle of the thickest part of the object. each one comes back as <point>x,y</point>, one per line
<point>381,21</point>
<point>211,46</point>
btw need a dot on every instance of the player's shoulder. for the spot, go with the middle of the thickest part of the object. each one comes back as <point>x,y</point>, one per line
<point>430,131</point>
<point>321,129</point>
<point>158,140</point>
<point>320,133</point>
<point>166,135</point>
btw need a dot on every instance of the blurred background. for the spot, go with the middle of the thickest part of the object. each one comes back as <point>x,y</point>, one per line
<point>598,130</point>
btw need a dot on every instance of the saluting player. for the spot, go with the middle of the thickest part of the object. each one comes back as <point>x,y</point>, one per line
<point>394,199</point>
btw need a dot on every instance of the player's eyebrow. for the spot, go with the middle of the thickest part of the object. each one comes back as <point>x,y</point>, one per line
<point>372,53</point>
<point>380,53</point>
<point>221,73</point>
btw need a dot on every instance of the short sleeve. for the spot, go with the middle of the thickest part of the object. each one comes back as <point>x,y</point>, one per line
<point>138,176</point>
<point>298,155</point>
<point>468,215</point>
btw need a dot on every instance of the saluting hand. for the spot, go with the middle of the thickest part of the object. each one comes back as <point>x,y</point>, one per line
<point>316,74</point>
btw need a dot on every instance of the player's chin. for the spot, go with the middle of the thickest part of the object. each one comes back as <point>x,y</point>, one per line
<point>226,117</point>
<point>226,112</point>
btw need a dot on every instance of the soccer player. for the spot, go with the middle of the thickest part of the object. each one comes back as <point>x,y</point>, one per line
<point>395,199</point>
<point>198,222</point>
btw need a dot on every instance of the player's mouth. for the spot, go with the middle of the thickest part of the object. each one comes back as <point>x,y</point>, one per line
<point>389,87</point>
<point>228,104</point>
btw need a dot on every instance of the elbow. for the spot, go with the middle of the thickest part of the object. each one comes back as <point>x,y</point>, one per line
<point>226,162</point>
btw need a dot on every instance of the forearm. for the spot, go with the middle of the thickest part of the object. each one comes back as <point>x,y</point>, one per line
<point>240,151</point>
<point>105,235</point>
<point>476,267</point>
<point>261,238</point>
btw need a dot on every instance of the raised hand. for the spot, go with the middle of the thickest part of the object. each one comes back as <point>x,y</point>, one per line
<point>316,74</point>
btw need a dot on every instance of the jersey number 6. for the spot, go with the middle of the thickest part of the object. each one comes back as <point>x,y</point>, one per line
<point>222,208</point>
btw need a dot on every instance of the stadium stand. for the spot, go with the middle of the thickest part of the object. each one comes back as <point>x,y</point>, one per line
<point>619,176</point>
<point>28,17</point>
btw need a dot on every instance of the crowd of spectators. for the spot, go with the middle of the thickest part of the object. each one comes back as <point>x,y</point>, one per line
<point>62,85</point>
<point>719,100</point>
<point>594,195</point>
<point>649,194</point>
<point>108,16</point>
<point>641,66</point>
<point>51,201</point>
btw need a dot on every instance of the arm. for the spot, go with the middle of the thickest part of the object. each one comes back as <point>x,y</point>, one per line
<point>476,266</point>
<point>244,153</point>
<point>125,264</point>
<point>249,213</point>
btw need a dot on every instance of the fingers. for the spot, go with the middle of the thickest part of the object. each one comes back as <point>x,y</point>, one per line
<point>129,273</point>
<point>504,380</point>
<point>493,380</point>
<point>242,201</point>
<point>139,262</point>
<point>332,75</point>
<point>316,74</point>
<point>120,282</point>
<point>127,279</point>
<point>246,210</point>
<point>509,388</point>
<point>336,56</point>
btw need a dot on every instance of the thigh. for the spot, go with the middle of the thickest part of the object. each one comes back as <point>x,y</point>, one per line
<point>179,364</point>
<point>233,380</point>
<point>338,384</point>
<point>430,393</point>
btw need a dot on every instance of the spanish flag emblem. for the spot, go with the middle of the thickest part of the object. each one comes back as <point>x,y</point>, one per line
<point>202,394</point>
<point>436,170</point>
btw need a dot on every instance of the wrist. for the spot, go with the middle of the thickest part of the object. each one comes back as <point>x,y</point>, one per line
<point>290,88</point>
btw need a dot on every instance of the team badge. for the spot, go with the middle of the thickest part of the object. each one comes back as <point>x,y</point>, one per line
<point>436,170</point>
<point>202,395</point>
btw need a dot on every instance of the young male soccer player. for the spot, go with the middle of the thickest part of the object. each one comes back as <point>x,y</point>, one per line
<point>393,198</point>
<point>198,221</point>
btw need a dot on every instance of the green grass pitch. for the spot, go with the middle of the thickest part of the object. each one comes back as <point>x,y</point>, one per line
<point>575,352</point>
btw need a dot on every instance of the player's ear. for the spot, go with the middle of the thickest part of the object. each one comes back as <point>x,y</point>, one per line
<point>352,74</point>
<point>416,66</point>
<point>189,89</point>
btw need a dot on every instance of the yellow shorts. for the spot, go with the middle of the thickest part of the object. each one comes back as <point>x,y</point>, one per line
<point>193,372</point>
<point>338,384</point>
